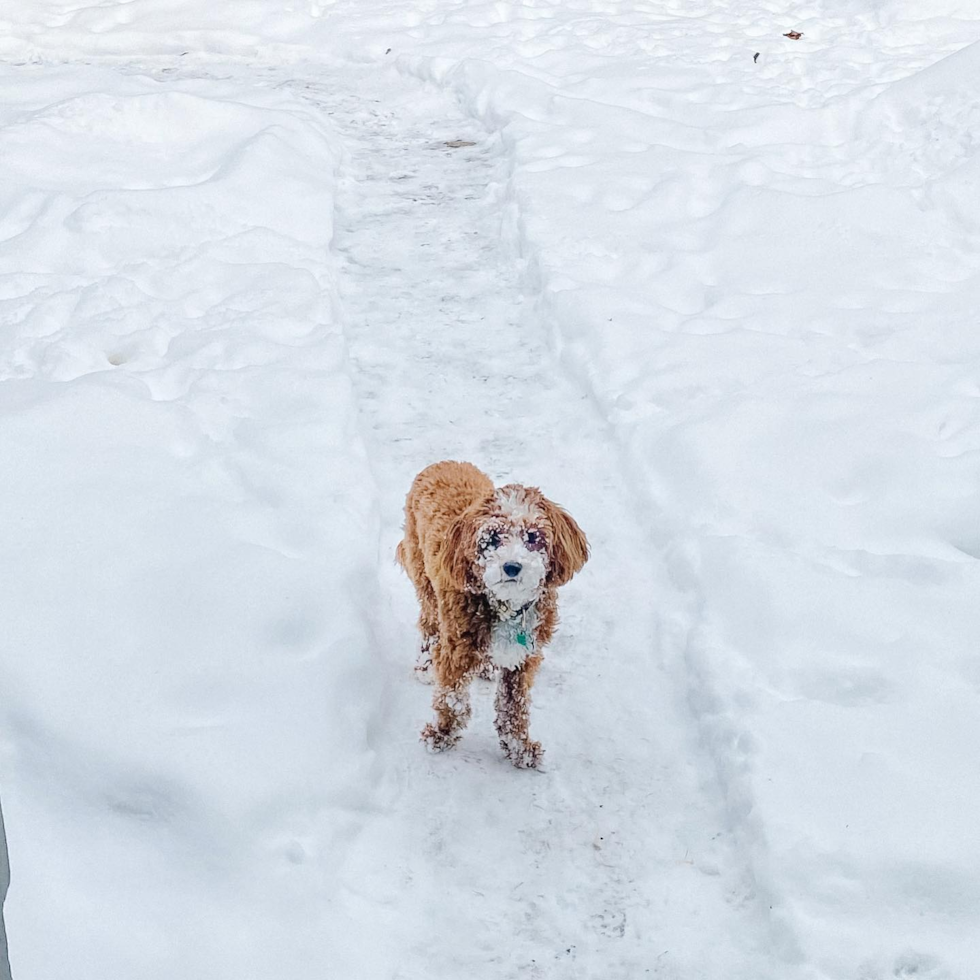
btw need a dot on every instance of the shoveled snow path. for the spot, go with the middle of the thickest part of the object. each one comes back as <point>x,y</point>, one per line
<point>614,861</point>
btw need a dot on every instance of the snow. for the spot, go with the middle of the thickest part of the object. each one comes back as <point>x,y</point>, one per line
<point>512,639</point>
<point>516,506</point>
<point>510,589</point>
<point>4,885</point>
<point>723,309</point>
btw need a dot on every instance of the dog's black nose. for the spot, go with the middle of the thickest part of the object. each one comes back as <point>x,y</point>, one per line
<point>512,569</point>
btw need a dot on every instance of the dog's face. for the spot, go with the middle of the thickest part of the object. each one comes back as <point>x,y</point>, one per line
<point>513,545</point>
<point>511,550</point>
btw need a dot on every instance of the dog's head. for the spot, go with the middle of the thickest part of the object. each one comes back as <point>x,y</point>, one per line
<point>513,544</point>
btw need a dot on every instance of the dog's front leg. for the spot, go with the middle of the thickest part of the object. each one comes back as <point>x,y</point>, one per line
<point>512,704</point>
<point>455,660</point>
<point>452,707</point>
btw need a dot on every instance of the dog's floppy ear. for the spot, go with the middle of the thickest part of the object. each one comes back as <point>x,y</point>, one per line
<point>459,552</point>
<point>569,549</point>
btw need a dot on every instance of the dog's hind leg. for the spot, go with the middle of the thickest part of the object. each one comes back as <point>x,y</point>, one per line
<point>428,629</point>
<point>512,704</point>
<point>423,663</point>
<point>409,556</point>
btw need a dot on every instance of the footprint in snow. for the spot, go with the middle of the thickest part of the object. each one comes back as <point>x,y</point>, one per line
<point>610,923</point>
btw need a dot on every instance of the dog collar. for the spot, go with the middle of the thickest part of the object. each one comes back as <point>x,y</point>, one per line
<point>518,622</point>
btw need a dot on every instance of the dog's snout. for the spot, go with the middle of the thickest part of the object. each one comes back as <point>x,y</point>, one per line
<point>512,569</point>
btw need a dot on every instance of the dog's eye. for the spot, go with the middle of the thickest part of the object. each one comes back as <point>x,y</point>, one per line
<point>493,540</point>
<point>534,540</point>
<point>532,537</point>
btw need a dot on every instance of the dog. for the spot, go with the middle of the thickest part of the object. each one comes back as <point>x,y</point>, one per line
<point>486,564</point>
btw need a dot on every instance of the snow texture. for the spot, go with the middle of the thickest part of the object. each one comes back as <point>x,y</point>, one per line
<point>262,261</point>
<point>4,885</point>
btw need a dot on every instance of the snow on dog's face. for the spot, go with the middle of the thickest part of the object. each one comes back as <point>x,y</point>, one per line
<point>511,550</point>
<point>513,544</point>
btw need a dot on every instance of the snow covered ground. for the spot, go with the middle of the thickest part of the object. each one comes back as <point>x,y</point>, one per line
<point>4,885</point>
<point>722,307</point>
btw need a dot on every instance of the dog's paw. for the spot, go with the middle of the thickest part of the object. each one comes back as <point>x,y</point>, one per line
<point>438,741</point>
<point>524,755</point>
<point>423,662</point>
<point>423,672</point>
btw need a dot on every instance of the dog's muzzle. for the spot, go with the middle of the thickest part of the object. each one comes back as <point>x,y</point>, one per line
<point>514,574</point>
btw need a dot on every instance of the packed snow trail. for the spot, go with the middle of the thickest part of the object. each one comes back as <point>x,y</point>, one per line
<point>611,861</point>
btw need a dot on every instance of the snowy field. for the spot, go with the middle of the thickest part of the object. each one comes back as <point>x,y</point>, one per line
<point>714,289</point>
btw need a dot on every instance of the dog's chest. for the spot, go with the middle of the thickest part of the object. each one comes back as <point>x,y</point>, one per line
<point>511,641</point>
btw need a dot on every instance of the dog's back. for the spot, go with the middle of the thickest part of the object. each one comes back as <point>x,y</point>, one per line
<point>439,494</point>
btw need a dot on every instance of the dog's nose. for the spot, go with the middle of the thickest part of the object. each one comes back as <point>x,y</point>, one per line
<point>512,569</point>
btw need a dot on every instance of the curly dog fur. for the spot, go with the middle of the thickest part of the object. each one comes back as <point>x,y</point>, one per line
<point>486,564</point>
